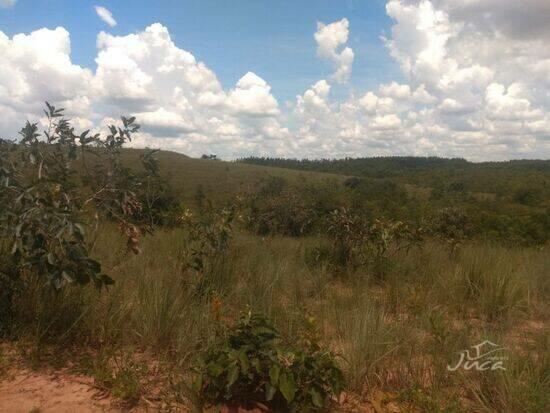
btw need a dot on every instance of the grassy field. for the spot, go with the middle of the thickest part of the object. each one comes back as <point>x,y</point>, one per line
<point>395,336</point>
<point>395,331</point>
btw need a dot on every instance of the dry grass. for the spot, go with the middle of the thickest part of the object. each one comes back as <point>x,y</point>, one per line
<point>396,334</point>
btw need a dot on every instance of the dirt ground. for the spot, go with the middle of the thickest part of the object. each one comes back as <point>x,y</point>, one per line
<point>25,391</point>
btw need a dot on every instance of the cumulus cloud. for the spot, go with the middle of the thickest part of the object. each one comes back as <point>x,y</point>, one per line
<point>477,86</point>
<point>37,67</point>
<point>178,100</point>
<point>474,85</point>
<point>105,15</point>
<point>252,96</point>
<point>330,38</point>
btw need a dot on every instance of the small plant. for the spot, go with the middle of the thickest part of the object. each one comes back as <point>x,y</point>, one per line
<point>348,233</point>
<point>120,375</point>
<point>385,237</point>
<point>251,365</point>
<point>208,236</point>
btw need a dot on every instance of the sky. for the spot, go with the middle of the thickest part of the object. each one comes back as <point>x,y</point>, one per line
<point>308,78</point>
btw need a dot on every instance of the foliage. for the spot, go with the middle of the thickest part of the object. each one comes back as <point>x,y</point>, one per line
<point>505,200</point>
<point>278,209</point>
<point>348,233</point>
<point>119,374</point>
<point>43,210</point>
<point>159,202</point>
<point>387,236</point>
<point>251,364</point>
<point>207,242</point>
<point>54,186</point>
<point>356,241</point>
<point>452,225</point>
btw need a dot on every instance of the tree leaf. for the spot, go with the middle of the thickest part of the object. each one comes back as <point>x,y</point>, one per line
<point>274,372</point>
<point>232,375</point>
<point>214,369</point>
<point>287,386</point>
<point>316,397</point>
<point>243,359</point>
<point>269,391</point>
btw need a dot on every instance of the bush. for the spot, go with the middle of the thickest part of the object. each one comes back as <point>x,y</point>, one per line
<point>356,241</point>
<point>45,203</point>
<point>250,364</point>
<point>207,243</point>
<point>286,214</point>
<point>452,225</point>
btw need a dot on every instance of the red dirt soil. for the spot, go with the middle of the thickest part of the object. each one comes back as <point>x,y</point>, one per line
<point>25,391</point>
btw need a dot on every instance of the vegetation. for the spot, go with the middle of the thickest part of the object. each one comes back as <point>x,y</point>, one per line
<point>250,365</point>
<point>509,201</point>
<point>291,290</point>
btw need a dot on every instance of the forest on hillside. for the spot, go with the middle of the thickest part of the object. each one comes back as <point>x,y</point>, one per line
<point>507,200</point>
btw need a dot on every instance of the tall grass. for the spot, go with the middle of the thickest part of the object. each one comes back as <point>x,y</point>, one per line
<point>395,333</point>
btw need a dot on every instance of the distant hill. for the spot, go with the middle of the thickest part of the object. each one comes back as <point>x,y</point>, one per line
<point>433,172</point>
<point>219,179</point>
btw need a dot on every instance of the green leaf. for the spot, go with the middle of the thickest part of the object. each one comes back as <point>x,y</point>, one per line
<point>232,375</point>
<point>287,386</point>
<point>269,391</point>
<point>256,363</point>
<point>316,397</point>
<point>214,369</point>
<point>274,372</point>
<point>243,359</point>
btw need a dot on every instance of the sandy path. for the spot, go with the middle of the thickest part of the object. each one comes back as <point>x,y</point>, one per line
<point>26,391</point>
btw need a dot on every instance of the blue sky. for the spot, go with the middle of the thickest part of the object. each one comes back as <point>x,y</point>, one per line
<point>272,38</point>
<point>295,78</point>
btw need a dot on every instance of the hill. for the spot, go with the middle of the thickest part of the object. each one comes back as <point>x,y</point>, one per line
<point>523,178</point>
<point>220,180</point>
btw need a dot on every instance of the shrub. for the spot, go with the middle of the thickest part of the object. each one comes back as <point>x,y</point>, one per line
<point>45,203</point>
<point>452,225</point>
<point>207,243</point>
<point>250,364</point>
<point>160,205</point>
<point>385,237</point>
<point>348,233</point>
<point>285,214</point>
<point>359,242</point>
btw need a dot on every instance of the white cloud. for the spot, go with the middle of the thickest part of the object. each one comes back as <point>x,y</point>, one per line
<point>178,100</point>
<point>473,89</point>
<point>7,3</point>
<point>252,96</point>
<point>329,38</point>
<point>395,90</point>
<point>105,15</point>
<point>475,86</point>
<point>37,67</point>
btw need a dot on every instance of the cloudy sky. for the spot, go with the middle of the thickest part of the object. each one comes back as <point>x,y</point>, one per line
<point>308,78</point>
